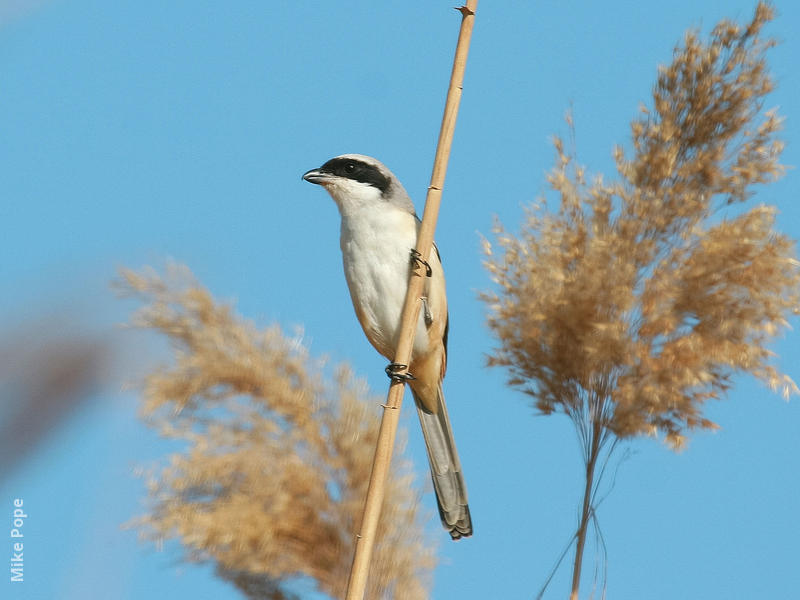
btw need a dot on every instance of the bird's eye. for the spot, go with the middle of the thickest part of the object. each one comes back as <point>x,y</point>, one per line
<point>350,168</point>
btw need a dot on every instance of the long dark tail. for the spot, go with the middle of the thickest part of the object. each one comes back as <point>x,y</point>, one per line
<point>448,482</point>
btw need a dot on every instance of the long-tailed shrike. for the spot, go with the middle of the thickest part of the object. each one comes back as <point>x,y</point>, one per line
<point>378,239</point>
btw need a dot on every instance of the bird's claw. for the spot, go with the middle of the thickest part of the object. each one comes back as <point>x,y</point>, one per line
<point>416,257</point>
<point>395,371</point>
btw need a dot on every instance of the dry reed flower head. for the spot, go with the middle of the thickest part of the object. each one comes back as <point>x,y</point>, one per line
<point>273,481</point>
<point>644,293</point>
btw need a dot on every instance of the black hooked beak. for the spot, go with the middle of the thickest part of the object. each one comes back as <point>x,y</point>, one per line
<point>316,176</point>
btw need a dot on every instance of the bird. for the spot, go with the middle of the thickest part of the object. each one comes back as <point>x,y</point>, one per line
<point>378,237</point>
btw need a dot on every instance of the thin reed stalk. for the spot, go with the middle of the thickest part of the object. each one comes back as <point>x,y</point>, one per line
<point>391,413</point>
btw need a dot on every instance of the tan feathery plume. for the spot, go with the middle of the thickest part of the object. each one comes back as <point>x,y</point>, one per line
<point>272,482</point>
<point>635,302</point>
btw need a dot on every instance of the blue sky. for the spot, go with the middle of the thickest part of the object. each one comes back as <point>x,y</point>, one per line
<point>137,131</point>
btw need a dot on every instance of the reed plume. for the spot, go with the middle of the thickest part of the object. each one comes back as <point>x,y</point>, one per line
<point>272,481</point>
<point>633,303</point>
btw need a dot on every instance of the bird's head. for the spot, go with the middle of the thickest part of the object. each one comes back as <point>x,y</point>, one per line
<point>356,181</point>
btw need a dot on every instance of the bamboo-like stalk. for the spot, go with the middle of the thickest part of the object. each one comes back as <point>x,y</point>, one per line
<point>391,410</point>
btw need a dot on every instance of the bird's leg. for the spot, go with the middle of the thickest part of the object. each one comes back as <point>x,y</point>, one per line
<point>426,311</point>
<point>395,372</point>
<point>416,259</point>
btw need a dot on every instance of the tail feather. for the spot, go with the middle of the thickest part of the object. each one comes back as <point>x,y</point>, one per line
<point>448,481</point>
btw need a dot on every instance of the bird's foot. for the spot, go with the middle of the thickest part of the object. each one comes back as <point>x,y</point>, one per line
<point>395,372</point>
<point>416,258</point>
